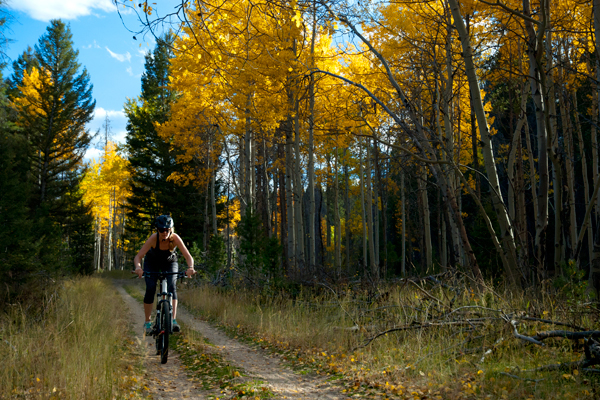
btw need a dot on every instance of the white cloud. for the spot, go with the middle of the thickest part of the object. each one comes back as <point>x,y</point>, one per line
<point>120,57</point>
<point>130,72</point>
<point>45,10</point>
<point>101,113</point>
<point>94,45</point>
<point>117,122</point>
<point>92,154</point>
<point>119,136</point>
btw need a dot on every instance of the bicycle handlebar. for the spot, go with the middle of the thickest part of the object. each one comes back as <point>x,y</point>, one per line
<point>180,274</point>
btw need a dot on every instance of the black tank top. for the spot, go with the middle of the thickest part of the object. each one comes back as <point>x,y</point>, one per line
<point>160,260</point>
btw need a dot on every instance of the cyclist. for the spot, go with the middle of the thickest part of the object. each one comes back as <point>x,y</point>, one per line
<point>160,254</point>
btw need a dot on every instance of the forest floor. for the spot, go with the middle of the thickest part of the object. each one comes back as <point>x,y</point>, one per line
<point>252,366</point>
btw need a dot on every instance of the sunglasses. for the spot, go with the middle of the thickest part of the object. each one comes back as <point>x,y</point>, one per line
<point>163,230</point>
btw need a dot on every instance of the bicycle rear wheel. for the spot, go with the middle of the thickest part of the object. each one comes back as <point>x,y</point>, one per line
<point>166,326</point>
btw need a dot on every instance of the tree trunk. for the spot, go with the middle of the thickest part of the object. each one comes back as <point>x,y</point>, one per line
<point>362,198</point>
<point>291,242</point>
<point>570,169</point>
<point>370,227</point>
<point>516,197</point>
<point>347,207</point>
<point>311,161</point>
<point>338,226</point>
<point>442,212</point>
<point>403,213</point>
<point>594,133</point>
<point>283,207</point>
<point>428,250</point>
<point>298,192</point>
<point>537,79</point>
<point>584,173</point>
<point>487,150</point>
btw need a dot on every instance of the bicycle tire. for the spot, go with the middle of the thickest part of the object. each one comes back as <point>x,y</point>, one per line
<point>166,325</point>
<point>157,336</point>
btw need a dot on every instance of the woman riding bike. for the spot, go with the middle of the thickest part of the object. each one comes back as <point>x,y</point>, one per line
<point>160,254</point>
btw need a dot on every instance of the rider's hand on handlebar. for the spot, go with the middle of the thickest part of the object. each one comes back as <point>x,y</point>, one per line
<point>189,272</point>
<point>138,272</point>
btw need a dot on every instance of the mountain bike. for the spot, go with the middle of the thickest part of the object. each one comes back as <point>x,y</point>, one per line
<point>163,323</point>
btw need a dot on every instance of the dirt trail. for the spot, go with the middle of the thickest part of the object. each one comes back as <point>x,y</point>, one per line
<point>164,381</point>
<point>170,381</point>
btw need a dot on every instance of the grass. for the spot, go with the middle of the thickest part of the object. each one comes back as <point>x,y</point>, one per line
<point>205,366</point>
<point>115,274</point>
<point>211,372</point>
<point>327,332</point>
<point>74,347</point>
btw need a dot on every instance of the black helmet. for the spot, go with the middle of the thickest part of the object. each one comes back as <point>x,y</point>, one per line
<point>164,221</point>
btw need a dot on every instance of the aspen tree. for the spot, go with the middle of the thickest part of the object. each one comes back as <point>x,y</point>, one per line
<point>508,242</point>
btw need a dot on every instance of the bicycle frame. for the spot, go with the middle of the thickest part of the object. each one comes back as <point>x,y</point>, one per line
<point>163,327</point>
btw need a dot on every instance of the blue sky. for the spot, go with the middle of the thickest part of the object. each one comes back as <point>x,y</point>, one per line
<point>114,60</point>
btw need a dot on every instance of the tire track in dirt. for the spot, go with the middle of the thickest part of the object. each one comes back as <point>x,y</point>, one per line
<point>170,381</point>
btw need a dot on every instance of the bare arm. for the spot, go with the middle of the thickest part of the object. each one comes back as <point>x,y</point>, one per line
<point>186,254</point>
<point>137,260</point>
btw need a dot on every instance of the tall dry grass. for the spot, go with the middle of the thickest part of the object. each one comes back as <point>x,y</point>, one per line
<point>69,349</point>
<point>331,331</point>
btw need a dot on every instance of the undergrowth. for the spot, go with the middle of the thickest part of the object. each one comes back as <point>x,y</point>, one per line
<point>442,340</point>
<point>71,346</point>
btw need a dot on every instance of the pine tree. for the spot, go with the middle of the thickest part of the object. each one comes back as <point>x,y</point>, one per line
<point>53,96</point>
<point>20,247</point>
<point>153,159</point>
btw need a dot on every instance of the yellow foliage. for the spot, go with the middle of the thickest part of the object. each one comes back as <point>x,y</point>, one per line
<point>29,103</point>
<point>106,182</point>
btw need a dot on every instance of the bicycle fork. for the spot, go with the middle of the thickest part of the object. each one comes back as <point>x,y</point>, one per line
<point>163,296</point>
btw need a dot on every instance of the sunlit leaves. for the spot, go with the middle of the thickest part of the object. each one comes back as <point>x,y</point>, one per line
<point>105,184</point>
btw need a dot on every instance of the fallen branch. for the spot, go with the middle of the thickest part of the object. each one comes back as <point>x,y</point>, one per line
<point>569,366</point>
<point>523,337</point>
<point>427,293</point>
<point>490,350</point>
<point>419,326</point>
<point>566,335</point>
<point>523,379</point>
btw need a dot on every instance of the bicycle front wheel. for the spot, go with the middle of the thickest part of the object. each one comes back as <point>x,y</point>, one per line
<point>166,325</point>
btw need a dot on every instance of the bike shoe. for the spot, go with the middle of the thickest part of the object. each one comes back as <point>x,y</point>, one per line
<point>148,328</point>
<point>176,327</point>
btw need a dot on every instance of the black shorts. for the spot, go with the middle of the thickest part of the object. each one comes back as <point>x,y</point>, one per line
<point>152,280</point>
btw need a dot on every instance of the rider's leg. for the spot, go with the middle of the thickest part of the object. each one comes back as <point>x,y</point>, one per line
<point>148,311</point>
<point>149,297</point>
<point>172,288</point>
